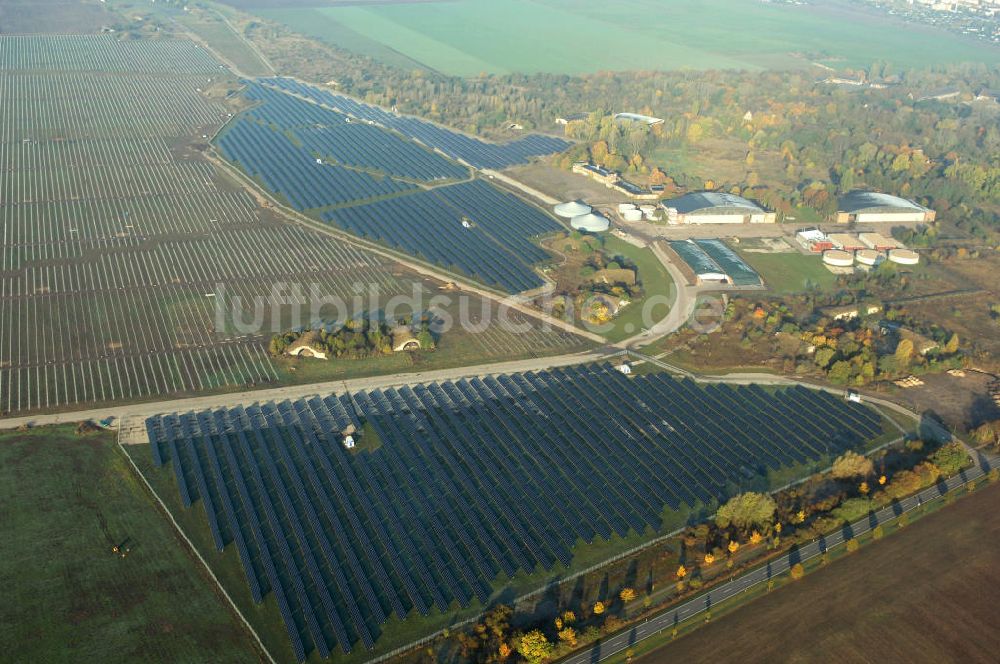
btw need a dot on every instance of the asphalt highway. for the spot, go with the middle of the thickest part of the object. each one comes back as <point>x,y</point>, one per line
<point>667,619</point>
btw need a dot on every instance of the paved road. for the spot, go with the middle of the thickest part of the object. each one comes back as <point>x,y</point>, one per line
<point>666,620</point>
<point>139,411</point>
<point>681,309</point>
<point>464,285</point>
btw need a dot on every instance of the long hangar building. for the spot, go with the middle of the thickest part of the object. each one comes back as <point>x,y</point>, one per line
<point>871,207</point>
<point>709,207</point>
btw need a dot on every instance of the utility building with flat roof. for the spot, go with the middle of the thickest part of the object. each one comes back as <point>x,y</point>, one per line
<point>872,207</point>
<point>710,207</point>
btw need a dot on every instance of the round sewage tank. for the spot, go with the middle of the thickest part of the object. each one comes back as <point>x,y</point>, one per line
<point>838,258</point>
<point>904,256</point>
<point>572,209</point>
<point>867,256</point>
<point>592,223</point>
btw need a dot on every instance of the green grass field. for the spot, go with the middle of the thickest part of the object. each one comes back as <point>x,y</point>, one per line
<point>227,43</point>
<point>656,283</point>
<point>579,36</point>
<point>65,501</point>
<point>790,272</point>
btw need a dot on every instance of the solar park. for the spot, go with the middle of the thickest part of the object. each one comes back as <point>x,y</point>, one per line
<point>120,243</point>
<point>473,151</point>
<point>370,180</point>
<point>112,246</point>
<point>495,249</point>
<point>462,485</point>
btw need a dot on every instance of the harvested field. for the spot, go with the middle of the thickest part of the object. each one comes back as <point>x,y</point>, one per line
<point>938,606</point>
<point>53,16</point>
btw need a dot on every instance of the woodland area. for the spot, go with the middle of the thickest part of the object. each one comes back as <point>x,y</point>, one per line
<point>791,139</point>
<point>747,528</point>
<point>803,140</point>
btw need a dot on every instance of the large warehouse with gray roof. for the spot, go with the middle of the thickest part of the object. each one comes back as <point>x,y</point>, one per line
<point>709,207</point>
<point>872,207</point>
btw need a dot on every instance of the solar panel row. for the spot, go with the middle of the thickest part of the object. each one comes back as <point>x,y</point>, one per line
<point>289,170</point>
<point>493,244</point>
<point>467,483</point>
<point>472,151</point>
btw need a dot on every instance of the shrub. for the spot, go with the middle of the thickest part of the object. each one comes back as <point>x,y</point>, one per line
<point>950,458</point>
<point>797,571</point>
<point>851,465</point>
<point>853,509</point>
<point>746,510</point>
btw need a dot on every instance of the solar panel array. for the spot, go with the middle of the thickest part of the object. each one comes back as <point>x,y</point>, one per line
<point>472,151</point>
<point>334,136</point>
<point>291,171</point>
<point>105,53</point>
<point>471,481</point>
<point>495,249</point>
<point>366,182</point>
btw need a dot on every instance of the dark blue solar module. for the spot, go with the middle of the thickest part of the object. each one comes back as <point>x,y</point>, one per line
<point>493,245</point>
<point>473,151</point>
<point>290,170</point>
<point>471,480</point>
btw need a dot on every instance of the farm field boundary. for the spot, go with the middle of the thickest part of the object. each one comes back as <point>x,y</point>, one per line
<point>648,34</point>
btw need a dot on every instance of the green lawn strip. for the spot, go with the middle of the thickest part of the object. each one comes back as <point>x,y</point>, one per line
<point>656,283</point>
<point>227,43</point>
<point>788,272</point>
<point>65,501</point>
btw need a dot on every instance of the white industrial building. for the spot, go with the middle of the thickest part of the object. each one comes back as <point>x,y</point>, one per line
<point>879,242</point>
<point>813,239</point>
<point>709,207</point>
<point>872,207</point>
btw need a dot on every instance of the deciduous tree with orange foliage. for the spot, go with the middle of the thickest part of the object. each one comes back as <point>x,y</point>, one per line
<point>534,647</point>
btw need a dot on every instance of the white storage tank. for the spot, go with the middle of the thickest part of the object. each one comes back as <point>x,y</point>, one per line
<point>572,209</point>
<point>838,258</point>
<point>625,207</point>
<point>592,223</point>
<point>904,256</point>
<point>632,215</point>
<point>867,256</point>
